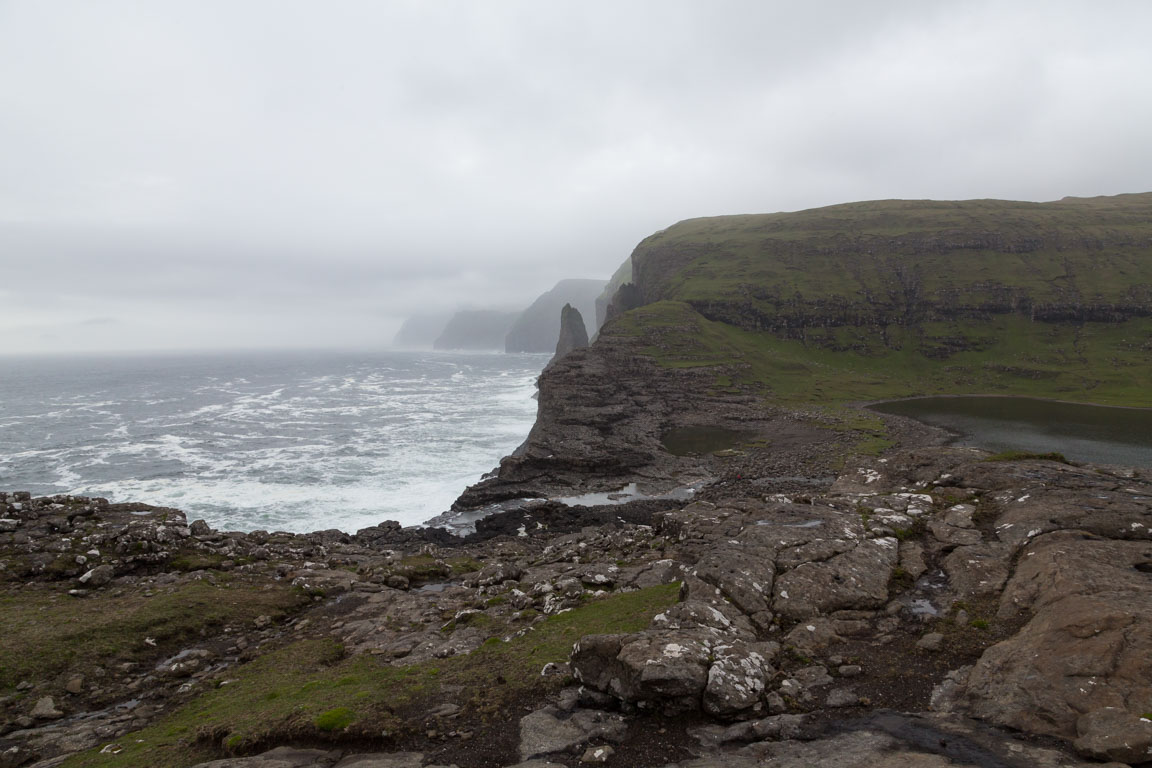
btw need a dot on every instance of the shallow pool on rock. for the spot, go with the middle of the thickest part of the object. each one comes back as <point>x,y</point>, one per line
<point>684,441</point>
<point>1092,433</point>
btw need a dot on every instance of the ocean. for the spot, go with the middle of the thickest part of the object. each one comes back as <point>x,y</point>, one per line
<point>286,441</point>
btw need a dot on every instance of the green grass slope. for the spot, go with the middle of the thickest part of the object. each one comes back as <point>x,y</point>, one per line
<point>311,691</point>
<point>897,298</point>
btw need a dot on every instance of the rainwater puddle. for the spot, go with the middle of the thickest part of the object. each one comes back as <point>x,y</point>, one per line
<point>686,441</point>
<point>630,492</point>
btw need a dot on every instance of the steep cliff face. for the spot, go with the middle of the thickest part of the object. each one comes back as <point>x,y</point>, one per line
<point>984,295</point>
<point>476,329</point>
<point>537,328</point>
<point>421,331</point>
<point>604,413</point>
<point>767,321</point>
<point>904,263</point>
<point>622,275</point>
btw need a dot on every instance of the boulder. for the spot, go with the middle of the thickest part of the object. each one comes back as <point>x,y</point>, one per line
<point>98,576</point>
<point>1088,645</point>
<point>550,730</point>
<point>1114,734</point>
<point>738,677</point>
<point>45,709</point>
<point>668,667</point>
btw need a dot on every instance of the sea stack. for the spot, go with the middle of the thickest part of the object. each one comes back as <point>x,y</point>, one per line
<point>573,334</point>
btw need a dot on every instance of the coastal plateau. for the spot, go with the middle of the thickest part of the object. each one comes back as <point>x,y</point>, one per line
<point>704,554</point>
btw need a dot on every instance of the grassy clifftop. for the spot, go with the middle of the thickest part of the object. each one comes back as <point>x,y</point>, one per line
<point>895,298</point>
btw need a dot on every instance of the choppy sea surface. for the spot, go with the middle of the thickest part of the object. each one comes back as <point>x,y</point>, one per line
<point>275,441</point>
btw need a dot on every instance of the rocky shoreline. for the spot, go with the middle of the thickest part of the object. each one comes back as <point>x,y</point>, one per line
<point>928,607</point>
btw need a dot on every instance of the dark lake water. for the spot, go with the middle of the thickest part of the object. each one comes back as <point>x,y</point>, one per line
<point>1081,432</point>
<point>685,441</point>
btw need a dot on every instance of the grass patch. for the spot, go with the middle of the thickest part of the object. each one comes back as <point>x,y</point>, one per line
<point>335,719</point>
<point>195,561</point>
<point>918,528</point>
<point>900,581</point>
<point>424,568</point>
<point>289,692</point>
<point>47,632</point>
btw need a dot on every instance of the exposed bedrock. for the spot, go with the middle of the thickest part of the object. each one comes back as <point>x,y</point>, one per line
<point>1034,610</point>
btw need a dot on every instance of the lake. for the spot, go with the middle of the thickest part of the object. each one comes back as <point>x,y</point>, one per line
<point>1092,433</point>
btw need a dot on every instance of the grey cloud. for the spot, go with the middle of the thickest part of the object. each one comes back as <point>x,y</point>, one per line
<point>314,172</point>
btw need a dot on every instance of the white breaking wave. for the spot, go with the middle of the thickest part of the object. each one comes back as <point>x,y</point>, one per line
<point>338,442</point>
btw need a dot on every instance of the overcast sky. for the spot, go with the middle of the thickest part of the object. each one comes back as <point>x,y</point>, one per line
<point>179,174</point>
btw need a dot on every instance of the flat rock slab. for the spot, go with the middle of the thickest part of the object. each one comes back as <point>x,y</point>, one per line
<point>548,731</point>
